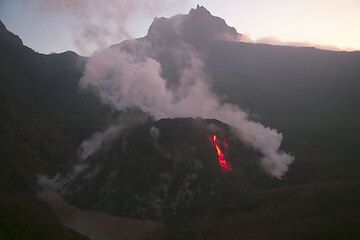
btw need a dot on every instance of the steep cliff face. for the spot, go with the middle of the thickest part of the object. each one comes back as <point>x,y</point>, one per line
<point>39,98</point>
<point>176,41</point>
<point>169,167</point>
<point>8,36</point>
<point>198,28</point>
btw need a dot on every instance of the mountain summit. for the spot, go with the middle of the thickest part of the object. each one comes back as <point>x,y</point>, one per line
<point>8,36</point>
<point>170,168</point>
<point>197,28</point>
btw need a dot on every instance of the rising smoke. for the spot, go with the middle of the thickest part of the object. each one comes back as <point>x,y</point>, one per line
<point>99,140</point>
<point>98,24</point>
<point>134,79</point>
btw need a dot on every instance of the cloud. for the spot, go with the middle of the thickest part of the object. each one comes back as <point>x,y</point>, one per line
<point>96,142</point>
<point>127,80</point>
<point>93,144</point>
<point>155,133</point>
<point>90,146</point>
<point>275,41</point>
<point>98,24</point>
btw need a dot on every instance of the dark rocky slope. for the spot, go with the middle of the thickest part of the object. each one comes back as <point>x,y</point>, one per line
<point>163,168</point>
<point>308,94</point>
<point>40,104</point>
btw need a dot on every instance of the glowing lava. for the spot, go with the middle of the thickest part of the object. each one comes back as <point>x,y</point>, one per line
<point>224,164</point>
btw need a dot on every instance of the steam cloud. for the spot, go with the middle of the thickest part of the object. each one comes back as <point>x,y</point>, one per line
<point>89,146</point>
<point>97,141</point>
<point>275,41</point>
<point>133,79</point>
<point>98,24</point>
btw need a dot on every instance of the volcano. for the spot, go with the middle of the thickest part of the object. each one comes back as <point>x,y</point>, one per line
<point>170,167</point>
<point>145,175</point>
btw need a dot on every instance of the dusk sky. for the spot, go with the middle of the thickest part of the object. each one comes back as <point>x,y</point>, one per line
<point>47,26</point>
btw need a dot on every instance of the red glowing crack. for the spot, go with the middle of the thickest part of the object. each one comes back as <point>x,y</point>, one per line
<point>224,164</point>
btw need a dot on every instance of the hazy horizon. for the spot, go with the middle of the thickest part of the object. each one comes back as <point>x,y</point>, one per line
<point>51,26</point>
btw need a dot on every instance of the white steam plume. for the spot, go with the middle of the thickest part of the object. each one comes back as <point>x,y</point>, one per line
<point>96,142</point>
<point>98,24</point>
<point>125,80</point>
<point>91,145</point>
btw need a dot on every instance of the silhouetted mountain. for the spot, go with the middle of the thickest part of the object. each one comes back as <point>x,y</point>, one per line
<point>43,119</point>
<point>310,95</point>
<point>198,28</point>
<point>7,36</point>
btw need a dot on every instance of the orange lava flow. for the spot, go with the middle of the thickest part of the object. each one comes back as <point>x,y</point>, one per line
<point>224,164</point>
